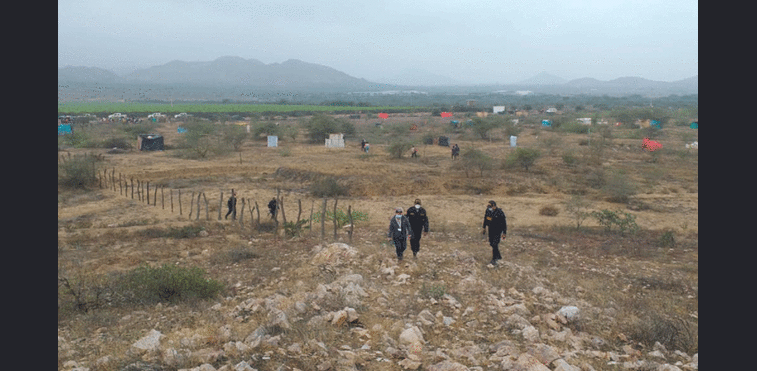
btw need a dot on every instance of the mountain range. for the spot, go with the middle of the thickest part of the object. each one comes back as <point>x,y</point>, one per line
<point>295,74</point>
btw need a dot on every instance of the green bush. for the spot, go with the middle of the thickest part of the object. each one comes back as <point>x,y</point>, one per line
<point>342,218</point>
<point>625,222</point>
<point>674,333</point>
<point>78,172</point>
<point>320,126</point>
<point>169,283</point>
<point>523,157</point>
<point>328,187</point>
<point>399,147</point>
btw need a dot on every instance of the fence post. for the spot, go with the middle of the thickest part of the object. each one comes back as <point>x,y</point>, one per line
<point>310,221</point>
<point>241,214</point>
<point>323,219</point>
<point>162,198</point>
<point>207,209</point>
<point>257,210</point>
<point>197,217</point>
<point>220,206</point>
<point>170,192</point>
<point>132,188</point>
<point>148,193</point>
<point>191,204</point>
<point>155,197</point>
<point>336,199</point>
<point>179,201</point>
<point>352,226</point>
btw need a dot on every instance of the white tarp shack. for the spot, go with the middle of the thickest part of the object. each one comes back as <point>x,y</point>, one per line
<point>335,141</point>
<point>498,109</point>
<point>585,120</point>
<point>273,141</point>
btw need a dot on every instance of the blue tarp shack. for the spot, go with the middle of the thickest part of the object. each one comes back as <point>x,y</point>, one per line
<point>694,125</point>
<point>454,124</point>
<point>64,129</point>
<point>655,124</point>
<point>546,122</point>
<point>181,130</point>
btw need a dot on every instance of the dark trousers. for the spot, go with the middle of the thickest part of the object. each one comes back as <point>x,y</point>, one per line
<point>400,244</point>
<point>494,239</point>
<point>415,242</point>
<point>233,213</point>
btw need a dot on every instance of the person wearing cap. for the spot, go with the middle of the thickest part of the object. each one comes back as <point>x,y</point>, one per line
<point>399,230</point>
<point>232,205</point>
<point>418,223</point>
<point>496,220</point>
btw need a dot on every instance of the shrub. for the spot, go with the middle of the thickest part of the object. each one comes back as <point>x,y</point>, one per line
<point>399,147</point>
<point>320,126</point>
<point>619,188</point>
<point>474,159</point>
<point>433,291</point>
<point>78,172</point>
<point>549,210</point>
<point>609,219</point>
<point>524,157</point>
<point>328,187</point>
<point>674,333</point>
<point>342,218</point>
<point>121,143</point>
<point>667,239</point>
<point>169,283</point>
<point>234,255</point>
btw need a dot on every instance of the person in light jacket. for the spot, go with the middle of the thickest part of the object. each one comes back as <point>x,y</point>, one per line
<point>399,230</point>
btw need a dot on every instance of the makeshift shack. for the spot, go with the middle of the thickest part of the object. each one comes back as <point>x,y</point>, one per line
<point>444,141</point>
<point>335,141</point>
<point>273,141</point>
<point>546,123</point>
<point>150,142</point>
<point>694,125</point>
<point>64,129</point>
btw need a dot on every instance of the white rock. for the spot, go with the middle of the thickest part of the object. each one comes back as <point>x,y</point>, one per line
<point>447,366</point>
<point>530,333</point>
<point>149,342</point>
<point>243,366</point>
<point>570,312</point>
<point>410,336</point>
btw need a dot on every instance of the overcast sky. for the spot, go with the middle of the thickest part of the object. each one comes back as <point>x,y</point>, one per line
<point>472,41</point>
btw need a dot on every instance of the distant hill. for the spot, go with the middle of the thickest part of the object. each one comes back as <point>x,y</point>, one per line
<point>248,72</point>
<point>71,74</point>
<point>543,79</point>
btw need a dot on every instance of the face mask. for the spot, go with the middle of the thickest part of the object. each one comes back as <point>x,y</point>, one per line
<point>417,206</point>
<point>398,216</point>
<point>490,209</point>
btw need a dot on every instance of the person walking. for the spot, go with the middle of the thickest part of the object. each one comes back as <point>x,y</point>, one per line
<point>272,205</point>
<point>232,205</point>
<point>455,151</point>
<point>413,152</point>
<point>496,220</point>
<point>418,219</point>
<point>399,230</point>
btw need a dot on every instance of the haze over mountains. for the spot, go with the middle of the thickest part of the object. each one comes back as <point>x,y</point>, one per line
<point>295,75</point>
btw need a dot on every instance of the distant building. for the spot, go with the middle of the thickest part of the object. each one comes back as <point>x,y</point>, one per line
<point>498,109</point>
<point>552,110</point>
<point>585,120</point>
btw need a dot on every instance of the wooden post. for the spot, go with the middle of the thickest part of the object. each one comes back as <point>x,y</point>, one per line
<point>241,215</point>
<point>170,192</point>
<point>257,209</point>
<point>352,226</point>
<point>249,206</point>
<point>113,176</point>
<point>283,214</point>
<point>220,206</point>
<point>323,219</point>
<point>155,197</point>
<point>148,193</point>
<point>132,188</point>
<point>197,217</point>
<point>179,201</point>
<point>191,204</point>
<point>139,190</point>
<point>120,188</point>
<point>207,212</point>
<point>336,199</point>
<point>162,198</point>
<point>310,221</point>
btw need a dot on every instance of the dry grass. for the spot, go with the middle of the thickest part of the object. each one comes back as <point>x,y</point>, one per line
<point>632,277</point>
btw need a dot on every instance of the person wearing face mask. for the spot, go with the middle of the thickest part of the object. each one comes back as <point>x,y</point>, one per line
<point>399,230</point>
<point>418,223</point>
<point>496,220</point>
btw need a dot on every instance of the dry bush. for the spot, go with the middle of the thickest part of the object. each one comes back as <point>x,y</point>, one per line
<point>549,210</point>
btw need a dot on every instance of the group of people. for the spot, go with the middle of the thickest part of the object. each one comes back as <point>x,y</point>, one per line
<point>455,151</point>
<point>414,224</point>
<point>232,205</point>
<point>365,146</point>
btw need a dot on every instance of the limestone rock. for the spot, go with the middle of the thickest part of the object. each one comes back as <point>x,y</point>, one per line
<point>447,366</point>
<point>561,365</point>
<point>150,342</point>
<point>544,353</point>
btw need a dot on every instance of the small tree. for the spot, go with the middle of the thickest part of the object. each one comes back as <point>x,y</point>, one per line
<point>474,159</point>
<point>399,147</point>
<point>320,126</point>
<point>482,127</point>
<point>235,136</point>
<point>578,208</point>
<point>524,157</point>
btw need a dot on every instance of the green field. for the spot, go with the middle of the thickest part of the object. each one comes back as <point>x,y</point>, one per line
<point>74,108</point>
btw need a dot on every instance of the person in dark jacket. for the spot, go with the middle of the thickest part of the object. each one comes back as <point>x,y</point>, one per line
<point>496,220</point>
<point>272,205</point>
<point>399,230</point>
<point>418,219</point>
<point>232,205</point>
